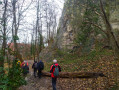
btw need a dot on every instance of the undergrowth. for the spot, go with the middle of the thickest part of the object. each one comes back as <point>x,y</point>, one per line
<point>96,61</point>
<point>67,60</point>
<point>13,78</point>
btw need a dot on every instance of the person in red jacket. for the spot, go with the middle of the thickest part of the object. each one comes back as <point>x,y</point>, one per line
<point>52,69</point>
<point>25,62</point>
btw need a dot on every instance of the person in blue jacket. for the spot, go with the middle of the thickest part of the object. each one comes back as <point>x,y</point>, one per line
<point>40,67</point>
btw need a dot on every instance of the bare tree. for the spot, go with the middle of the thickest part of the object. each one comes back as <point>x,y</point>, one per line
<point>109,30</point>
<point>4,30</point>
<point>50,18</point>
<point>17,12</point>
<point>46,21</point>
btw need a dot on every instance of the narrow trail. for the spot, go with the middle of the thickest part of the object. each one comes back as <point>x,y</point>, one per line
<point>43,83</point>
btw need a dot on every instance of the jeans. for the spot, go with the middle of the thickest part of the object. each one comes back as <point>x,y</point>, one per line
<point>54,83</point>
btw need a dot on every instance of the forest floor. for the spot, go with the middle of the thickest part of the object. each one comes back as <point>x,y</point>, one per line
<point>101,62</point>
<point>44,83</point>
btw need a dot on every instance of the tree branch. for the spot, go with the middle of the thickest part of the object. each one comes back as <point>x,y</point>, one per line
<point>96,26</point>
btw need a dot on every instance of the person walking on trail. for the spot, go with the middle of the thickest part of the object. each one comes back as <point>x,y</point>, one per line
<point>34,66</point>
<point>25,69</point>
<point>19,62</point>
<point>40,67</point>
<point>54,70</point>
<point>25,62</point>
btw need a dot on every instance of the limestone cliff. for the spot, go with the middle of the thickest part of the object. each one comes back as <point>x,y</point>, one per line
<point>65,33</point>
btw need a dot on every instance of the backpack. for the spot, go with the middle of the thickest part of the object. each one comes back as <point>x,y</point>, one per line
<point>35,65</point>
<point>41,65</point>
<point>56,71</point>
<point>25,69</point>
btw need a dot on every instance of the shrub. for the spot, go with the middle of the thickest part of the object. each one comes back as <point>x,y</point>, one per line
<point>15,79</point>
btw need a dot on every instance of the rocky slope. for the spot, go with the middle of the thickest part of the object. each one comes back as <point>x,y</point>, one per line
<point>66,33</point>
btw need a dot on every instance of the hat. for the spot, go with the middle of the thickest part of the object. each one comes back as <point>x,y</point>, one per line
<point>54,61</point>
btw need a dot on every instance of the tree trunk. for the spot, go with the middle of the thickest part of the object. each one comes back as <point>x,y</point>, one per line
<point>1,68</point>
<point>112,38</point>
<point>110,33</point>
<point>2,55</point>
<point>76,74</point>
<point>14,34</point>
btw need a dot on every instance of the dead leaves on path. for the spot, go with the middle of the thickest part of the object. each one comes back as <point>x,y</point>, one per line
<point>105,64</point>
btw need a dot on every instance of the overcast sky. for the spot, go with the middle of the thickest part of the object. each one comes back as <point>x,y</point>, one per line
<point>30,14</point>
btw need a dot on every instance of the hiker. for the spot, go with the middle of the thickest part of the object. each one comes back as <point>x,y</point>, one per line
<point>25,62</point>
<point>25,69</point>
<point>54,70</point>
<point>34,66</point>
<point>40,67</point>
<point>19,62</point>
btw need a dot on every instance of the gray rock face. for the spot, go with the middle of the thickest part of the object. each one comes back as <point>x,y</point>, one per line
<point>65,35</point>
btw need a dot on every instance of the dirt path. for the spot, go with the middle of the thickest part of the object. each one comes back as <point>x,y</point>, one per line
<point>43,83</point>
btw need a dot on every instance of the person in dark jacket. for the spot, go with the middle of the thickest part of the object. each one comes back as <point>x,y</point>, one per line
<point>25,69</point>
<point>52,69</point>
<point>34,66</point>
<point>40,67</point>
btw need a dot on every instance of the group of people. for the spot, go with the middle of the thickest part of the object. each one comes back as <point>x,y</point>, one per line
<point>24,66</point>
<point>38,66</point>
<point>54,70</point>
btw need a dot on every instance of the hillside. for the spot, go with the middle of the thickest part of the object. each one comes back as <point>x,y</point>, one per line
<point>98,61</point>
<point>96,55</point>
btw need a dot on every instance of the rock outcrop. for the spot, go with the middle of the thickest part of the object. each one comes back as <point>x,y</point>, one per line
<point>65,33</point>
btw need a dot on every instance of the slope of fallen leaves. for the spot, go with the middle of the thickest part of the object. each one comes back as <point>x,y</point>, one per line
<point>105,63</point>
